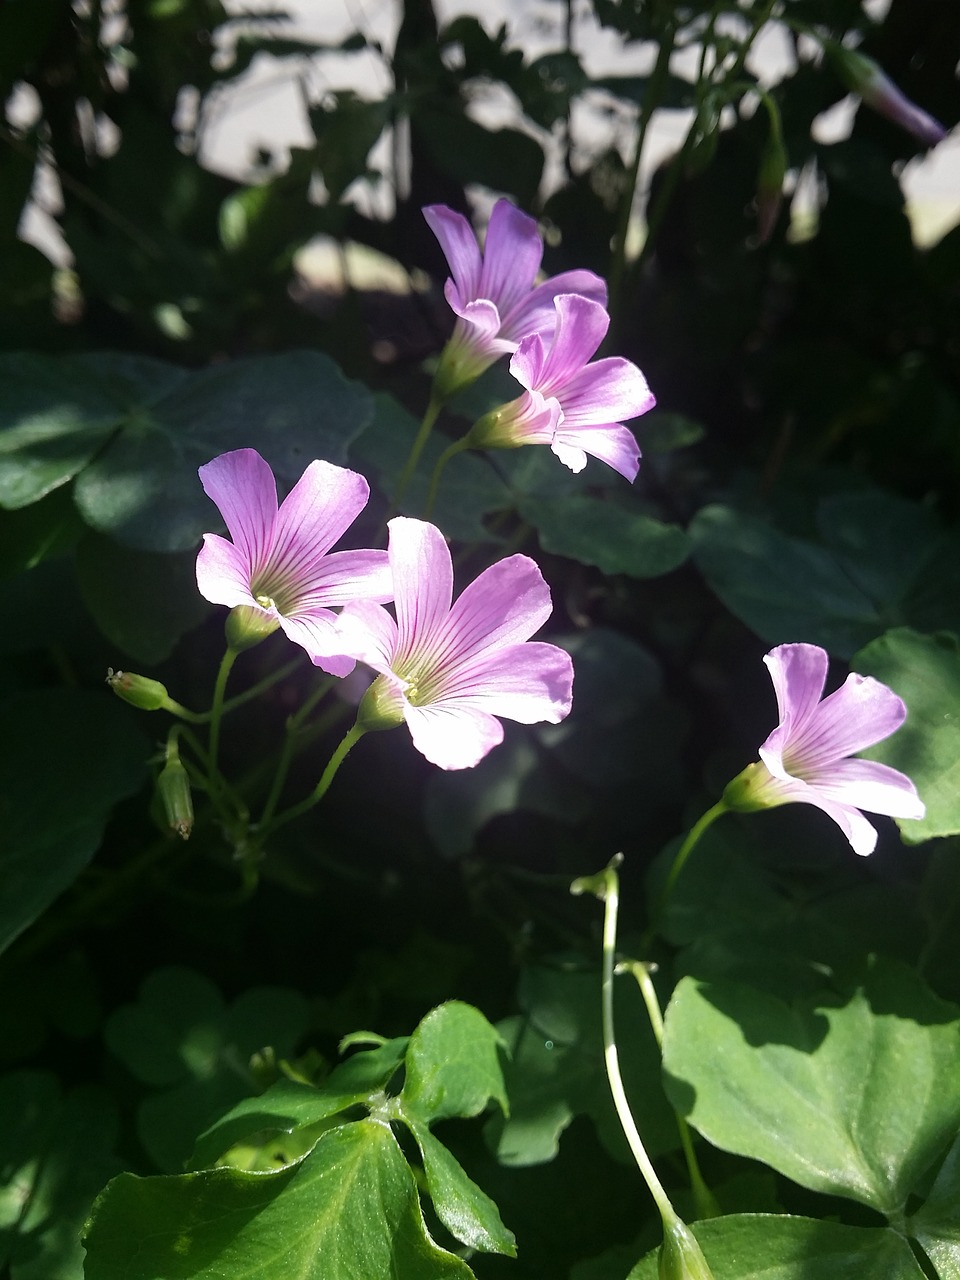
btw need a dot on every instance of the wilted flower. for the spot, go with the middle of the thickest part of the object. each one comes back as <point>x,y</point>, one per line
<point>278,570</point>
<point>808,756</point>
<point>450,668</point>
<point>494,295</point>
<point>867,78</point>
<point>574,406</point>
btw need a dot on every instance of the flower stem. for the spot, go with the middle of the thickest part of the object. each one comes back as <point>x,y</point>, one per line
<point>423,435</point>
<point>216,714</point>
<point>450,452</point>
<point>704,1199</point>
<point>651,100</point>
<point>287,751</point>
<point>350,739</point>
<point>679,861</point>
<point>606,886</point>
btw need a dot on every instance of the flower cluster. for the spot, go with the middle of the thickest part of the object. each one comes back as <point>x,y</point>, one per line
<point>446,669</point>
<point>572,403</point>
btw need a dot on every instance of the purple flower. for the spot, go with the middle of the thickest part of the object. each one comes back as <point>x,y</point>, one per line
<point>866,77</point>
<point>574,406</point>
<point>493,294</point>
<point>277,565</point>
<point>808,756</point>
<point>449,669</point>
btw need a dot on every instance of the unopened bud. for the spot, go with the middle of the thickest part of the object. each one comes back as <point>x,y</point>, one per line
<point>867,78</point>
<point>681,1257</point>
<point>247,626</point>
<point>173,787</point>
<point>139,691</point>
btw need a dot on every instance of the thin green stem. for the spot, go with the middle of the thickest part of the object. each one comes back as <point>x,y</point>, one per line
<point>423,435</point>
<point>651,100</point>
<point>679,861</point>
<point>216,714</point>
<point>450,452</point>
<point>704,1199</point>
<point>288,750</point>
<point>231,704</point>
<point>606,886</point>
<point>350,739</point>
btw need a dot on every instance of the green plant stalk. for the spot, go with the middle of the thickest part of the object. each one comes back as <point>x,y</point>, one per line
<point>216,715</point>
<point>288,750</point>
<point>451,451</point>
<point>350,739</point>
<point>704,1198</point>
<point>203,717</point>
<point>423,435</point>
<point>680,859</point>
<point>651,100</point>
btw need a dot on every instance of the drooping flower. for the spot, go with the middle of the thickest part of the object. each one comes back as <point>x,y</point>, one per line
<point>870,81</point>
<point>575,406</point>
<point>278,566</point>
<point>493,294</point>
<point>808,757</point>
<point>450,668</point>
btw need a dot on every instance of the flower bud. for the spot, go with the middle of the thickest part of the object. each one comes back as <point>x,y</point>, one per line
<point>247,626</point>
<point>865,77</point>
<point>139,691</point>
<point>173,787</point>
<point>681,1257</point>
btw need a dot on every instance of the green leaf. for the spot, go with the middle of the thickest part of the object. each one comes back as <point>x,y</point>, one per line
<point>56,1156</point>
<point>612,537</point>
<point>555,1068</point>
<point>349,1209</point>
<point>925,672</point>
<point>141,601</point>
<point>854,1100</point>
<point>771,1247</point>
<point>937,1223</point>
<point>453,1065</point>
<point>54,417</point>
<point>143,488</point>
<point>882,562</point>
<point>181,1037</point>
<point>466,1211</point>
<point>66,757</point>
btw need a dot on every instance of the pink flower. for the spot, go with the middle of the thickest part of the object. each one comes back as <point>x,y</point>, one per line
<point>278,563</point>
<point>493,294</point>
<point>866,77</point>
<point>574,406</point>
<point>808,756</point>
<point>450,668</point>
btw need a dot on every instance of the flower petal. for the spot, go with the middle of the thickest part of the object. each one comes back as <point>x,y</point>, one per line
<point>453,737</point>
<point>581,327</point>
<point>610,390</point>
<point>459,245</point>
<point>867,784</point>
<point>536,312</point>
<point>529,683</point>
<point>505,605</point>
<point>242,485</point>
<point>798,672</point>
<point>223,573</point>
<point>858,714</point>
<point>422,581</point>
<point>481,318</point>
<point>368,632</point>
<point>612,443</point>
<point>861,834</point>
<point>528,360</point>
<point>512,253</point>
<point>319,508</point>
<point>343,576</point>
<point>317,634</point>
